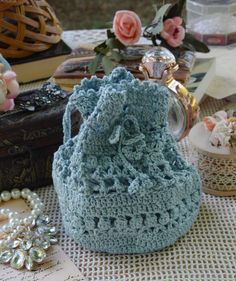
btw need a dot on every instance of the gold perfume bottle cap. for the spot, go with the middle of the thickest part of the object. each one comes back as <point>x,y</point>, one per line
<point>157,61</point>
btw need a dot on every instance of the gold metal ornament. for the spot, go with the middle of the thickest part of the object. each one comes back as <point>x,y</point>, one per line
<point>159,65</point>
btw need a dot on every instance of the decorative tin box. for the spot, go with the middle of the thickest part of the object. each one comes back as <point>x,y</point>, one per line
<point>29,135</point>
<point>216,165</point>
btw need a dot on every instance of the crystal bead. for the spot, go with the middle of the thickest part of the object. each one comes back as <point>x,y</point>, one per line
<point>36,212</point>
<point>12,214</point>
<point>6,228</point>
<point>29,263</point>
<point>45,244</point>
<point>37,242</point>
<point>35,202</point>
<point>30,108</point>
<point>14,222</point>
<point>26,244</point>
<point>28,235</point>
<point>18,259</point>
<point>20,228</point>
<point>37,254</point>
<point>27,221</point>
<point>13,244</point>
<point>2,244</point>
<point>48,230</point>
<point>5,195</point>
<point>5,256</point>
<point>34,195</point>
<point>39,206</point>
<point>42,220</point>
<point>5,212</point>
<point>53,240</point>
<point>15,193</point>
<point>25,192</point>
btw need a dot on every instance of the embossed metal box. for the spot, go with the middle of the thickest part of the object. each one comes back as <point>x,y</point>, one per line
<point>28,140</point>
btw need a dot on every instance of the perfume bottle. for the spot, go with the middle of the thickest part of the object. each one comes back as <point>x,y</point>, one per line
<point>158,65</point>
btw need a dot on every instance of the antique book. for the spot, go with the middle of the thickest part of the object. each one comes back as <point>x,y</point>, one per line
<point>40,65</point>
<point>75,68</point>
<point>29,136</point>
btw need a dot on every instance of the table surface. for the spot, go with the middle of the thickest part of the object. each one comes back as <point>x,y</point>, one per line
<point>206,252</point>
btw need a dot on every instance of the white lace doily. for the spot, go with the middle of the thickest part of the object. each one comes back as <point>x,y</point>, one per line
<point>206,253</point>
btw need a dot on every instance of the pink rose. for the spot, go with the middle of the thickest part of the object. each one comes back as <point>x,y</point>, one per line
<point>7,105</point>
<point>173,32</point>
<point>12,84</point>
<point>9,90</point>
<point>127,27</point>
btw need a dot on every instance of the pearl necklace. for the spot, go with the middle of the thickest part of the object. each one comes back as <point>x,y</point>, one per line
<point>25,239</point>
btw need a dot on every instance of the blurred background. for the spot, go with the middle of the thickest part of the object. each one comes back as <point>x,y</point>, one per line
<point>82,14</point>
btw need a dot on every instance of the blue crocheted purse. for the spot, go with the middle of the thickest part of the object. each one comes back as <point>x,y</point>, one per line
<point>122,185</point>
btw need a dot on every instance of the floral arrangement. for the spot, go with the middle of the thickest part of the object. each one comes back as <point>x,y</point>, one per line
<point>127,30</point>
<point>222,128</point>
<point>167,29</point>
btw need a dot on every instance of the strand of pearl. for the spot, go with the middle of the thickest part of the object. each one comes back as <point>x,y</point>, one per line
<point>16,224</point>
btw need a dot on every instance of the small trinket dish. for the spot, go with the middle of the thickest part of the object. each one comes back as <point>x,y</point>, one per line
<point>216,164</point>
<point>212,22</point>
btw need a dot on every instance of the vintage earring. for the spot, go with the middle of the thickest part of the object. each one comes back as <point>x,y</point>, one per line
<point>158,65</point>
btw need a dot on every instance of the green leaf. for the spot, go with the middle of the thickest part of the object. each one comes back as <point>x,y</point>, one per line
<point>110,34</point>
<point>102,48</point>
<point>114,43</point>
<point>189,47</point>
<point>198,45</point>
<point>107,65</point>
<point>176,10</point>
<point>101,45</point>
<point>161,12</point>
<point>157,23</point>
<point>116,56</point>
<point>92,67</point>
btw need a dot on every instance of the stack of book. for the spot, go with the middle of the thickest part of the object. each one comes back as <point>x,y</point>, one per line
<point>75,68</point>
<point>40,65</point>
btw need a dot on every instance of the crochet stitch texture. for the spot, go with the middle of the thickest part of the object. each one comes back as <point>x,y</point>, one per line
<point>122,185</point>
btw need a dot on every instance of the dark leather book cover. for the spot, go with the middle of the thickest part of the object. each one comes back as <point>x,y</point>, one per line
<point>56,50</point>
<point>29,136</point>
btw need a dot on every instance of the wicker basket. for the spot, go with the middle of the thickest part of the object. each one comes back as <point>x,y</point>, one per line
<point>26,27</point>
<point>216,166</point>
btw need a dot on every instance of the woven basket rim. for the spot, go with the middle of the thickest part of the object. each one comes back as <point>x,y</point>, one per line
<point>27,27</point>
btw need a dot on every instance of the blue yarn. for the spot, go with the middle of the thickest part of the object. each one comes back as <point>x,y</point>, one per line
<point>122,185</point>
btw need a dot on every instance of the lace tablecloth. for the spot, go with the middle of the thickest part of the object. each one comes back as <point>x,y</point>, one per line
<point>207,252</point>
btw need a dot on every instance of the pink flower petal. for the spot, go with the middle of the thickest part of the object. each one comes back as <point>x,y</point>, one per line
<point>7,105</point>
<point>9,75</point>
<point>13,88</point>
<point>177,20</point>
<point>173,32</point>
<point>127,27</point>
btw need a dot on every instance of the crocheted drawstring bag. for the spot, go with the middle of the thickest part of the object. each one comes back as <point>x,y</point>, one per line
<point>122,185</point>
